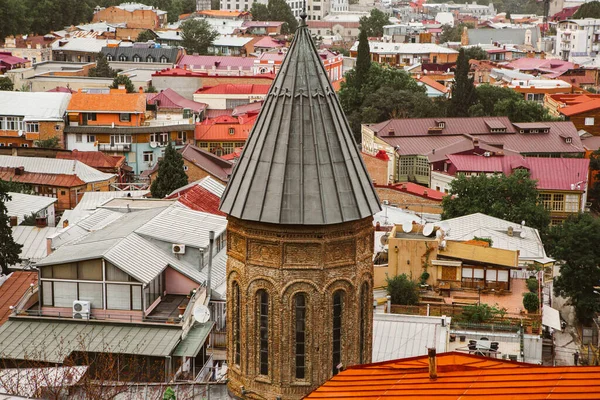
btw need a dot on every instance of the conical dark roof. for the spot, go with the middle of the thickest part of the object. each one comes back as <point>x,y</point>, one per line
<point>301,164</point>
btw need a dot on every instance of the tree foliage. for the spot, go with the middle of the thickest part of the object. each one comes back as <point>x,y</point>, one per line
<point>531,302</point>
<point>453,33</point>
<point>171,174</point>
<point>363,59</point>
<point>197,35</point>
<point>385,93</point>
<point>476,53</point>
<point>532,284</point>
<point>123,80</point>
<point>102,69</point>
<point>402,290</point>
<point>279,10</point>
<point>374,23</point>
<point>259,11</point>
<point>513,198</point>
<point>145,36</point>
<point>588,10</point>
<point>480,313</point>
<point>50,143</point>
<point>575,243</point>
<point>6,83</point>
<point>9,249</point>
<point>463,90</point>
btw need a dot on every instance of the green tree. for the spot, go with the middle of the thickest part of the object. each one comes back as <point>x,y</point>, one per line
<point>522,111</point>
<point>145,36</point>
<point>402,290</point>
<point>588,10</point>
<point>374,23</point>
<point>169,394</point>
<point>594,194</point>
<point>9,249</point>
<point>463,90</point>
<point>575,243</point>
<point>532,284</point>
<point>123,80</point>
<point>531,302</point>
<point>29,220</point>
<point>215,4</point>
<point>6,83</point>
<point>259,12</point>
<point>480,313</point>
<point>197,35</point>
<point>50,143</point>
<point>487,98</point>
<point>279,10</point>
<point>363,59</point>
<point>385,93</point>
<point>476,53</point>
<point>151,89</point>
<point>171,174</point>
<point>453,33</point>
<point>102,69</point>
<point>513,198</point>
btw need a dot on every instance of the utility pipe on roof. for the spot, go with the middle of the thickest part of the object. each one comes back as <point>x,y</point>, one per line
<point>211,241</point>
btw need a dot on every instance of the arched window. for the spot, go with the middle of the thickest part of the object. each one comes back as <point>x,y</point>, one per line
<point>338,305</point>
<point>236,323</point>
<point>364,309</point>
<point>300,334</point>
<point>164,60</point>
<point>263,332</point>
<point>149,59</point>
<point>122,57</point>
<point>137,58</point>
<point>109,57</point>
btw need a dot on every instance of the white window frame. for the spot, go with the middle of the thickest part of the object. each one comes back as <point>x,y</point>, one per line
<point>589,121</point>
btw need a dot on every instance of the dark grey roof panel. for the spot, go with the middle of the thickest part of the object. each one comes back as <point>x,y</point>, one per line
<point>142,52</point>
<point>301,164</point>
<point>503,36</point>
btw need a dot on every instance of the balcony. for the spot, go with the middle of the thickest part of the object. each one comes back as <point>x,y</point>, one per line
<point>114,147</point>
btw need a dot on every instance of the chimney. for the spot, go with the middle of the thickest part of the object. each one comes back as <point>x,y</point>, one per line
<point>13,220</point>
<point>432,363</point>
<point>48,246</point>
<point>510,231</point>
<point>19,171</point>
<point>121,87</point>
<point>141,89</point>
<point>65,223</point>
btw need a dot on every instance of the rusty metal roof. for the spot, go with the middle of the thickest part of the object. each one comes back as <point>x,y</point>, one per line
<point>301,164</point>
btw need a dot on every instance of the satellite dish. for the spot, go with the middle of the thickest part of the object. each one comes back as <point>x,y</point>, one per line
<point>438,234</point>
<point>201,314</point>
<point>384,239</point>
<point>407,227</point>
<point>443,244</point>
<point>522,235</point>
<point>444,226</point>
<point>428,229</point>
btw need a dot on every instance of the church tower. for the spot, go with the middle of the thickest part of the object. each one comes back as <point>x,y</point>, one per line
<point>300,239</point>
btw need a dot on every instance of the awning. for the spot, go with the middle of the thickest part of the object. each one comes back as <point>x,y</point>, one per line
<point>193,342</point>
<point>551,318</point>
<point>53,341</point>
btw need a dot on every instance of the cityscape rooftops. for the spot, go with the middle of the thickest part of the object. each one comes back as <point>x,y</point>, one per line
<point>406,48</point>
<point>51,166</point>
<point>169,98</point>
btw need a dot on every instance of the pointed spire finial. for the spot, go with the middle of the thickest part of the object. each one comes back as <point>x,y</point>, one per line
<point>303,14</point>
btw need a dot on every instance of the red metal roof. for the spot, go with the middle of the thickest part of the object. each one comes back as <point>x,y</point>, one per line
<point>168,98</point>
<point>233,131</point>
<point>13,289</point>
<point>58,180</point>
<point>452,126</point>
<point>229,88</point>
<point>550,173</point>
<point>461,376</point>
<point>199,199</point>
<point>220,62</point>
<point>211,163</point>
<point>430,82</point>
<point>415,189</point>
<point>9,59</point>
<point>94,159</point>
<point>268,42</point>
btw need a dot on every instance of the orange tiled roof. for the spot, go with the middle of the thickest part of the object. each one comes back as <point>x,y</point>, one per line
<point>580,108</point>
<point>221,132</point>
<point>13,289</point>
<point>107,102</point>
<point>430,82</point>
<point>461,376</point>
<point>34,178</point>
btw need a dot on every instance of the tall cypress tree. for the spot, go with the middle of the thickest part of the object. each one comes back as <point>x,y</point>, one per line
<point>171,174</point>
<point>9,249</point>
<point>463,90</point>
<point>363,59</point>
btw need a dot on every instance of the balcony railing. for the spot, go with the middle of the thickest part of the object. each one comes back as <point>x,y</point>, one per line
<point>114,147</point>
<point>206,373</point>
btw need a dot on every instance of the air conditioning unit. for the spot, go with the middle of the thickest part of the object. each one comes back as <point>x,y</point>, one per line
<point>81,309</point>
<point>153,145</point>
<point>178,249</point>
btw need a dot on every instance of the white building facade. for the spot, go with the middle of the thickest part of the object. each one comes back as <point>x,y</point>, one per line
<point>577,38</point>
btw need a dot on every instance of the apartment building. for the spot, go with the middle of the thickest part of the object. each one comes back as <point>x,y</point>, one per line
<point>577,38</point>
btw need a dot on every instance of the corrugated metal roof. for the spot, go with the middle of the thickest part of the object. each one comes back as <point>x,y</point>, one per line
<point>211,163</point>
<point>481,225</point>
<point>193,342</point>
<point>53,341</point>
<point>93,200</point>
<point>143,52</point>
<point>55,166</point>
<point>22,205</point>
<point>301,164</point>
<point>220,62</point>
<point>128,130</point>
<point>33,178</point>
<point>168,98</point>
<point>33,240</point>
<point>112,102</point>
<point>401,336</point>
<point>34,106</point>
<point>13,289</point>
<point>452,126</point>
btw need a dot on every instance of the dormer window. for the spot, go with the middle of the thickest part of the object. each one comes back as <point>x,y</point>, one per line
<point>568,140</point>
<point>109,57</point>
<point>164,60</point>
<point>122,57</point>
<point>441,124</point>
<point>150,59</point>
<point>137,58</point>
